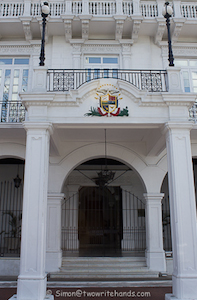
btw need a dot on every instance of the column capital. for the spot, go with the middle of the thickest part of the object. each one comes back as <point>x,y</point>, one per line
<point>55,196</point>
<point>177,126</point>
<point>36,126</point>
<point>153,196</point>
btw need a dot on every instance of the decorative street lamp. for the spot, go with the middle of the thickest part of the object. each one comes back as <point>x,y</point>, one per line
<point>167,13</point>
<point>45,12</point>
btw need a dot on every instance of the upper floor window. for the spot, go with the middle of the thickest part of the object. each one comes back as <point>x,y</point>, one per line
<point>188,74</point>
<point>101,66</point>
<point>14,74</point>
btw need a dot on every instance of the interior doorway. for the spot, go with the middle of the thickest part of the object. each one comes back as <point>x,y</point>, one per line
<point>100,221</point>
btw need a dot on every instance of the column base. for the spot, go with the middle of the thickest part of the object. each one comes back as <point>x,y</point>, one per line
<point>31,288</point>
<point>172,297</point>
<point>48,297</point>
<point>53,261</point>
<point>156,261</point>
<point>185,287</point>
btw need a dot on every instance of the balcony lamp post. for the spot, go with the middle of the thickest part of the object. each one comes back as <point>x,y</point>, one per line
<point>45,12</point>
<point>167,13</point>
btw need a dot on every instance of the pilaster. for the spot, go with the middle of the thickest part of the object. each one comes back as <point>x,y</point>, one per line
<point>71,218</point>
<point>76,55</point>
<point>32,278</point>
<point>53,243</point>
<point>182,210</point>
<point>155,254</point>
<point>126,54</point>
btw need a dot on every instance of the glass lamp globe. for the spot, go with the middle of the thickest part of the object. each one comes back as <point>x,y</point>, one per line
<point>45,8</point>
<point>167,10</point>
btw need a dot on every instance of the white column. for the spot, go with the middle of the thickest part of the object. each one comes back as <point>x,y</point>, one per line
<point>32,278</point>
<point>182,210</point>
<point>155,254</point>
<point>53,248</point>
<point>71,218</point>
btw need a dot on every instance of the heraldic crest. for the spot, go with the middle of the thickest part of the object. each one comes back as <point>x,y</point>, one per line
<point>108,99</point>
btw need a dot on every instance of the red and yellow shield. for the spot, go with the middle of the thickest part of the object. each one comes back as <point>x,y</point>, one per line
<point>108,103</point>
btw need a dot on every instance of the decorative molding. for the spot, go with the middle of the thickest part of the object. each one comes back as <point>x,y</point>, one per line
<point>85,29</point>
<point>100,49</point>
<point>126,48</point>
<point>68,29</point>
<point>180,51</point>
<point>160,31</point>
<point>19,49</point>
<point>177,30</point>
<point>27,30</point>
<point>76,49</point>
<point>136,29</point>
<point>119,29</point>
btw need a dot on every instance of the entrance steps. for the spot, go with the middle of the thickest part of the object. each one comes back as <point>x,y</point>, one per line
<point>103,268</point>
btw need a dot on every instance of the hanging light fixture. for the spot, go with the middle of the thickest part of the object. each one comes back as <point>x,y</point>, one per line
<point>17,180</point>
<point>106,175</point>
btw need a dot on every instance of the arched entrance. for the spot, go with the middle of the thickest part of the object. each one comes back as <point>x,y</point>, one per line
<point>103,219</point>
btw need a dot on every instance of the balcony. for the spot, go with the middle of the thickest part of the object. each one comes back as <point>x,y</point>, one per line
<point>128,16</point>
<point>59,80</point>
<point>148,9</point>
<point>12,111</point>
<point>145,80</point>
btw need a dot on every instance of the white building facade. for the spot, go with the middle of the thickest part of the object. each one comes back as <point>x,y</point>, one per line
<point>104,140</point>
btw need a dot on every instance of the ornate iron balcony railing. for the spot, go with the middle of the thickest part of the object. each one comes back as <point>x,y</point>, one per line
<point>12,111</point>
<point>193,113</point>
<point>146,80</point>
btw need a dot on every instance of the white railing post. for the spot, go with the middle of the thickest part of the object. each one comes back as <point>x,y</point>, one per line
<point>177,9</point>
<point>160,5</point>
<point>85,7</point>
<point>136,8</point>
<point>68,7</point>
<point>40,79</point>
<point>174,80</point>
<point>119,8</point>
<point>27,8</point>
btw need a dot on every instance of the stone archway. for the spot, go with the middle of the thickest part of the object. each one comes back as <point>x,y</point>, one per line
<point>97,219</point>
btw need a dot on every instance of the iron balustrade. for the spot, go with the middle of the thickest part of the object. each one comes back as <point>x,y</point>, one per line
<point>60,80</point>
<point>12,111</point>
<point>193,113</point>
<point>10,218</point>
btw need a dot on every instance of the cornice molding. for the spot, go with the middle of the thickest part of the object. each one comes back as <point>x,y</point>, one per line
<point>96,48</point>
<point>19,49</point>
<point>180,50</point>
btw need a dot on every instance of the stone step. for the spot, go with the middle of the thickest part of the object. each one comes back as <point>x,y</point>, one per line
<point>100,263</point>
<point>103,260</point>
<point>103,276</point>
<point>103,268</point>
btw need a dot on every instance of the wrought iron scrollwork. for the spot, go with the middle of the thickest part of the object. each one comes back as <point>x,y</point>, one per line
<point>12,112</point>
<point>151,82</point>
<point>65,80</point>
